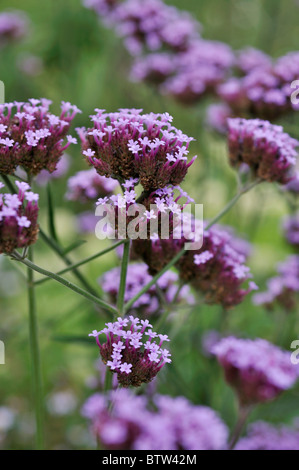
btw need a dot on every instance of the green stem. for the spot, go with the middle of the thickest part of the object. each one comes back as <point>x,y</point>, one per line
<point>123,278</point>
<point>35,357</point>
<point>59,251</point>
<point>8,183</point>
<point>182,252</point>
<point>51,216</point>
<point>242,418</point>
<point>108,380</point>
<point>82,262</point>
<point>53,244</point>
<point>234,200</point>
<point>65,283</point>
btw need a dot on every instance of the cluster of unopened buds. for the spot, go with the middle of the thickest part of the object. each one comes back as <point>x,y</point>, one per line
<point>18,218</point>
<point>126,353</point>
<point>282,290</point>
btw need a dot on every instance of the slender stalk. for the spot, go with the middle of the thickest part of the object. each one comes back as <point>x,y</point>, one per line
<point>242,418</point>
<point>234,200</point>
<point>51,216</point>
<point>123,278</point>
<point>35,357</point>
<point>82,262</point>
<point>66,283</point>
<point>59,251</point>
<point>108,380</point>
<point>8,183</point>
<point>224,211</point>
<point>53,244</point>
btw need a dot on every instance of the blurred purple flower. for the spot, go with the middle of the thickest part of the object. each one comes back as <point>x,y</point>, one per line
<point>258,370</point>
<point>264,147</point>
<point>149,303</point>
<point>176,424</point>
<point>264,436</point>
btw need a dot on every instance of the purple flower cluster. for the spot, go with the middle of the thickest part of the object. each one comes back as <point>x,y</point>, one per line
<point>131,352</point>
<point>148,25</point>
<point>32,137</point>
<point>265,91</point>
<point>217,270</point>
<point>265,148</point>
<point>18,218</point>
<point>250,58</point>
<point>167,48</point>
<point>282,290</point>
<point>198,71</point>
<point>176,424</point>
<point>61,169</point>
<point>148,304</point>
<point>146,213</point>
<point>258,370</point>
<point>88,185</point>
<point>293,185</point>
<point>103,7</point>
<point>291,229</point>
<point>263,436</point>
<point>187,75</point>
<point>127,144</point>
<point>13,26</point>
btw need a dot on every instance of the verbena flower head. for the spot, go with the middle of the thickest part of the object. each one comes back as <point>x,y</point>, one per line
<point>149,304</point>
<point>130,216</point>
<point>198,71</point>
<point>291,229</point>
<point>257,370</point>
<point>264,436</point>
<point>18,218</point>
<point>150,25</point>
<point>265,91</point>
<point>293,185</point>
<point>217,270</point>
<point>250,58</point>
<point>13,26</point>
<point>103,7</point>
<point>128,144</point>
<point>153,68</point>
<point>175,423</point>
<point>133,350</point>
<point>265,148</point>
<point>32,137</point>
<point>89,185</point>
<point>282,290</point>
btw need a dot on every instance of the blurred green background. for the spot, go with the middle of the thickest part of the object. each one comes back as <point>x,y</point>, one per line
<point>82,62</point>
